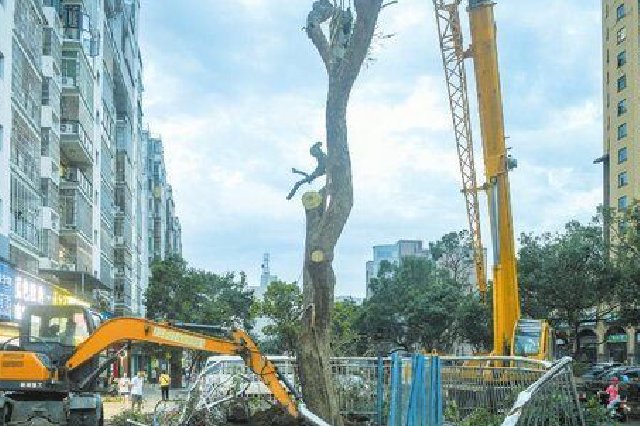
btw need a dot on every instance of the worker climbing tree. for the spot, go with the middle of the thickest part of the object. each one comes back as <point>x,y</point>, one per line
<point>342,49</point>
<point>320,170</point>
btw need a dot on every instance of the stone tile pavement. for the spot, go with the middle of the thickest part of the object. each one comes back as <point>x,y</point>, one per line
<point>150,399</point>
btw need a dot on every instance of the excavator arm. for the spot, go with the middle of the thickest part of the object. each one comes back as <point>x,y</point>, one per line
<point>140,330</point>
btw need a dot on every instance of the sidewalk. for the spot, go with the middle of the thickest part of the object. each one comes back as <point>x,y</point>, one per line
<point>151,398</point>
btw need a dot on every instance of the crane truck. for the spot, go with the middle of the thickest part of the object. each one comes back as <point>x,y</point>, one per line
<point>48,375</point>
<point>512,334</point>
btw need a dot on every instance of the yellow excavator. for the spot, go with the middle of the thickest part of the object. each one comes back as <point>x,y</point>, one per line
<point>512,335</point>
<point>48,375</point>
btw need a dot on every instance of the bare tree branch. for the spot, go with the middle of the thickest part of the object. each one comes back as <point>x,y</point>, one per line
<point>320,42</point>
<point>367,12</point>
<point>321,12</point>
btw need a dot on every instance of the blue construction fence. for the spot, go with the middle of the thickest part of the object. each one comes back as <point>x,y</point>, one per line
<point>412,395</point>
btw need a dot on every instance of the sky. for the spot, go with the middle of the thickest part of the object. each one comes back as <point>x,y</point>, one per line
<point>236,91</point>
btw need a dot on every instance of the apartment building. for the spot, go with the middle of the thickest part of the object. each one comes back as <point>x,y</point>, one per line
<point>163,226</point>
<point>621,52</point>
<point>73,182</point>
<point>604,341</point>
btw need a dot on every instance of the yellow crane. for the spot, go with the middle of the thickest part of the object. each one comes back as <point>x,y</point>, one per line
<point>512,335</point>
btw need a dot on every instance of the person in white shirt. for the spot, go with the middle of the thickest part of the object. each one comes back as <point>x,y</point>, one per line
<point>124,387</point>
<point>137,385</point>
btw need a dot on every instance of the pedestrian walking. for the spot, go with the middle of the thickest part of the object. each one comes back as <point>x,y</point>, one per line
<point>154,376</point>
<point>124,387</point>
<point>137,387</point>
<point>165,381</point>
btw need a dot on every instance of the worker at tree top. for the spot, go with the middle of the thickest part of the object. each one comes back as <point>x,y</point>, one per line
<point>165,381</point>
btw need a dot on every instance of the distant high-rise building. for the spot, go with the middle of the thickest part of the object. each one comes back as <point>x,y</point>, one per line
<point>392,253</point>
<point>266,277</point>
<point>163,226</point>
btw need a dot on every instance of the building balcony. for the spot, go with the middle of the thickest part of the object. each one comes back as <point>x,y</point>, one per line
<point>75,218</point>
<point>72,36</point>
<point>73,178</point>
<point>75,143</point>
<point>69,82</point>
<point>122,274</point>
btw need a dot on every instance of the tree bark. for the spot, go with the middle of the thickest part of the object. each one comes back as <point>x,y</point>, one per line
<point>327,211</point>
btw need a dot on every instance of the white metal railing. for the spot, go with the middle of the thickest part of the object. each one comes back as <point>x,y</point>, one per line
<point>485,383</point>
<point>550,400</point>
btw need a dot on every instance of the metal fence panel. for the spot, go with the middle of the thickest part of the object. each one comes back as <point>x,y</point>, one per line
<point>488,383</point>
<point>552,400</point>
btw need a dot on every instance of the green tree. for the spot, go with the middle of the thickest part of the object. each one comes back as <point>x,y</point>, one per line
<point>345,338</point>
<point>186,294</point>
<point>473,318</point>
<point>566,276</point>
<point>281,306</point>
<point>623,232</point>
<point>453,252</point>
<point>414,303</point>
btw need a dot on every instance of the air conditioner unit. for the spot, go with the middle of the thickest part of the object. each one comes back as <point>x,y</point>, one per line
<point>120,240</point>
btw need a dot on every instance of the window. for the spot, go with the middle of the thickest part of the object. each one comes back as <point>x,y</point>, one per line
<point>622,155</point>
<point>622,107</point>
<point>620,12</point>
<point>622,58</point>
<point>622,82</point>
<point>1,212</point>
<point>622,202</point>
<point>621,35</point>
<point>1,65</point>
<point>623,179</point>
<point>622,131</point>
<point>1,137</point>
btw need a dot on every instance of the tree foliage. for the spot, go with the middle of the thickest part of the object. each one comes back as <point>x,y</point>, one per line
<point>453,252</point>
<point>419,304</point>
<point>346,340</point>
<point>192,295</point>
<point>281,306</point>
<point>566,276</point>
<point>624,229</point>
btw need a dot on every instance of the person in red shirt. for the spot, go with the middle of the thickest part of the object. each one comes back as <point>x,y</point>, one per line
<point>612,391</point>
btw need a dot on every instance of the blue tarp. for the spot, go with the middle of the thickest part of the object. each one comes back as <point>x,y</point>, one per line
<point>420,404</point>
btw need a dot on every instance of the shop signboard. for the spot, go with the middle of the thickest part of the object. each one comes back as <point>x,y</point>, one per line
<point>617,338</point>
<point>29,291</point>
<point>7,288</point>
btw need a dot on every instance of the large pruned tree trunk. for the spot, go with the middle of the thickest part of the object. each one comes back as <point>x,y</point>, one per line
<point>343,51</point>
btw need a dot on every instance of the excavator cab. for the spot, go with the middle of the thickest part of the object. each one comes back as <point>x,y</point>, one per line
<point>55,330</point>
